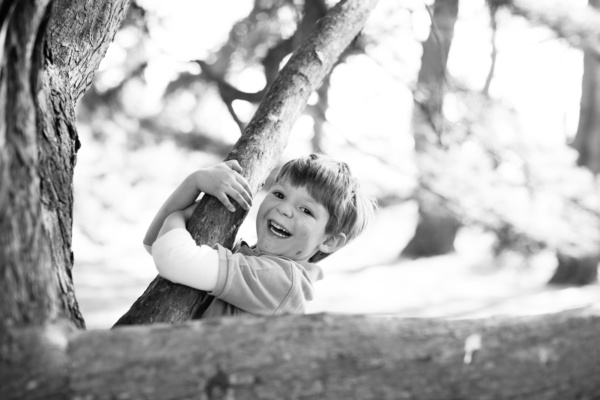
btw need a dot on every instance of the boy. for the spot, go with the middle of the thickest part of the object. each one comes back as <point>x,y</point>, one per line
<point>313,209</point>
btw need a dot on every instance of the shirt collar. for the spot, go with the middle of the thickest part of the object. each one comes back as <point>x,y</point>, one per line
<point>315,273</point>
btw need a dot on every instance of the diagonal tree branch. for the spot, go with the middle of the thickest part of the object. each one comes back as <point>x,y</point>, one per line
<point>258,151</point>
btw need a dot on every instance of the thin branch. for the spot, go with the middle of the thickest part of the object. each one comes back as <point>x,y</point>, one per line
<point>494,55</point>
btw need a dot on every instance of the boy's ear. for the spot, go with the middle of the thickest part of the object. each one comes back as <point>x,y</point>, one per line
<point>333,243</point>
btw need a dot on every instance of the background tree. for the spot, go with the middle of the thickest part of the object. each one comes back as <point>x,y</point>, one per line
<point>437,225</point>
<point>575,264</point>
<point>578,262</point>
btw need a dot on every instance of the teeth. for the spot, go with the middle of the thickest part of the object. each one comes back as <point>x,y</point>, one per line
<point>279,227</point>
<point>275,228</point>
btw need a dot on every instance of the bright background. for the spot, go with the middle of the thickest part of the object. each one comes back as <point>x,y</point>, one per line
<point>120,182</point>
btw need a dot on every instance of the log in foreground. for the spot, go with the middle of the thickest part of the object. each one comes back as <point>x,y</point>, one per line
<point>336,357</point>
<point>258,151</point>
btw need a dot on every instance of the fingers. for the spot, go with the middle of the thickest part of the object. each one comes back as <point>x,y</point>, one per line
<point>241,185</point>
<point>234,165</point>
<point>225,200</point>
<point>241,196</point>
<point>244,188</point>
<point>230,186</point>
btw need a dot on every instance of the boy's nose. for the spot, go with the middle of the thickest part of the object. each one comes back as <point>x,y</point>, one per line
<point>285,209</point>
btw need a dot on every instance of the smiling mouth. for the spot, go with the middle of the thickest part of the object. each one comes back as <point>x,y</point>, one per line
<point>279,230</point>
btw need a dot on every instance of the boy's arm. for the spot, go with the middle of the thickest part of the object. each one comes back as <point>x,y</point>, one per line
<point>220,181</point>
<point>179,260</point>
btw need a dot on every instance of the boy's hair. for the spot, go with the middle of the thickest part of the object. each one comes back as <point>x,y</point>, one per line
<point>331,183</point>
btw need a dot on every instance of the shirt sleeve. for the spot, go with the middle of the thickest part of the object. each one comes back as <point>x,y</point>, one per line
<point>180,260</point>
<point>263,285</point>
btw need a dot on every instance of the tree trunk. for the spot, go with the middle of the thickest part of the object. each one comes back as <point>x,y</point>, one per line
<point>437,227</point>
<point>576,268</point>
<point>587,139</point>
<point>28,287</point>
<point>553,357</point>
<point>50,52</point>
<point>258,151</point>
<point>579,266</point>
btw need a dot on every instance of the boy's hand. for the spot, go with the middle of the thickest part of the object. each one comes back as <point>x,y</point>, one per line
<point>220,181</point>
<point>223,180</point>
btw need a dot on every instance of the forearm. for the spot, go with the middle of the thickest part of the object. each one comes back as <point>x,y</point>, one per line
<point>175,220</point>
<point>185,195</point>
<point>178,259</point>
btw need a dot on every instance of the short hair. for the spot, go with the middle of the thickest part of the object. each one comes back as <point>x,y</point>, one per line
<point>331,183</point>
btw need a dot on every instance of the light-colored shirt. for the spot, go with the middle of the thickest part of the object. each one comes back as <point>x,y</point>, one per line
<point>244,281</point>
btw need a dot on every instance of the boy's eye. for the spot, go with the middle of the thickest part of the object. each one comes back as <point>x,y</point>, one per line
<point>279,195</point>
<point>306,211</point>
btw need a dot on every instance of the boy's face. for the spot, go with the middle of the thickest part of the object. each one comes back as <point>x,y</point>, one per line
<point>291,223</point>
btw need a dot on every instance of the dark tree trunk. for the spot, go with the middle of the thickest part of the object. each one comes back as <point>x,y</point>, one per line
<point>587,139</point>
<point>27,284</point>
<point>579,266</point>
<point>575,268</point>
<point>50,53</point>
<point>437,226</point>
<point>258,151</point>
<point>435,232</point>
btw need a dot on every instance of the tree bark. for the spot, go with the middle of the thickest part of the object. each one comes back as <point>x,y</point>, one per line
<point>314,356</point>
<point>258,151</point>
<point>78,36</point>
<point>437,226</point>
<point>49,55</point>
<point>27,287</point>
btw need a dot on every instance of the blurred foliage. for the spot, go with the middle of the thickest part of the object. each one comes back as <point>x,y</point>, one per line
<point>530,193</point>
<point>489,169</point>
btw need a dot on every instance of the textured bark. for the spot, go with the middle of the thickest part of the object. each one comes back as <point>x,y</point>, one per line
<point>50,53</point>
<point>437,226</point>
<point>79,34</point>
<point>258,151</point>
<point>553,357</point>
<point>28,291</point>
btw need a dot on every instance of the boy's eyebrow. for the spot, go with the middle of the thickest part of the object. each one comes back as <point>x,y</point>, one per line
<point>311,201</point>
